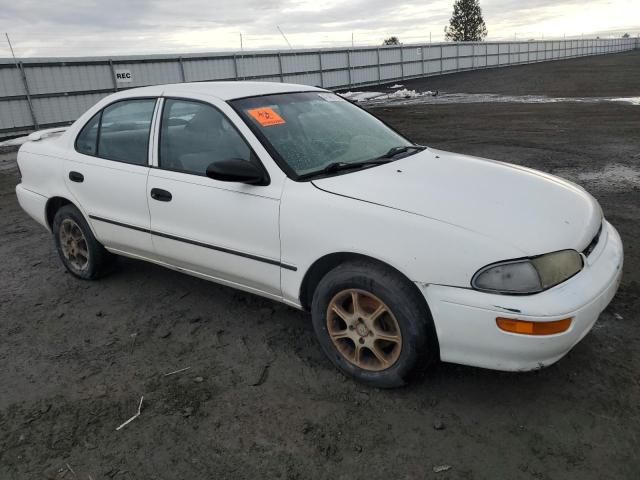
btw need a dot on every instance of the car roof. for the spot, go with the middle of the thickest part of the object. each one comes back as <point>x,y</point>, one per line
<point>222,90</point>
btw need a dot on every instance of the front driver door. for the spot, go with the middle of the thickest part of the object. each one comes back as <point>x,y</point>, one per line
<point>226,231</point>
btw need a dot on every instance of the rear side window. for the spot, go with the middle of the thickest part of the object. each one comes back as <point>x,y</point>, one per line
<point>120,132</point>
<point>124,131</point>
<point>194,135</point>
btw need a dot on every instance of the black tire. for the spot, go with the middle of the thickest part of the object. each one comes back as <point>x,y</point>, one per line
<point>419,344</point>
<point>98,259</point>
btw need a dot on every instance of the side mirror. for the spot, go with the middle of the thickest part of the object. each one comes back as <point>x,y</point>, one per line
<point>237,170</point>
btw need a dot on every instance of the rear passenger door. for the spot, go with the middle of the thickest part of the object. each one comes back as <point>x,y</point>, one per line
<point>107,174</point>
<point>226,231</point>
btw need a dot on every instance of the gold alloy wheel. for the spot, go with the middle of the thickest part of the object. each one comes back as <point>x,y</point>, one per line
<point>74,245</point>
<point>364,330</point>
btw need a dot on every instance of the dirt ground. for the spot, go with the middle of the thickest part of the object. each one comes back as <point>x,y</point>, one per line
<point>600,76</point>
<point>259,400</point>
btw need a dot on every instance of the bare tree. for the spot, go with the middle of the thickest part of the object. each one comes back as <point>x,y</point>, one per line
<point>466,24</point>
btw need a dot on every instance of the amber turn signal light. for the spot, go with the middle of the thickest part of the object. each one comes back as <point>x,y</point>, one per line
<point>524,327</point>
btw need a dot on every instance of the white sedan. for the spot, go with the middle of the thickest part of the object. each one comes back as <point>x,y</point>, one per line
<point>402,254</point>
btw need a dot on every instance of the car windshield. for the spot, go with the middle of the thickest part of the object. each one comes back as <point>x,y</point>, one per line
<point>320,132</point>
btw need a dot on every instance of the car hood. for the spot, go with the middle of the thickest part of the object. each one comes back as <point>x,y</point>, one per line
<point>535,212</point>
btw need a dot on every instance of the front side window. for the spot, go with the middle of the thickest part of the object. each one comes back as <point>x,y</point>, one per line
<point>194,135</point>
<point>120,132</point>
<point>312,130</point>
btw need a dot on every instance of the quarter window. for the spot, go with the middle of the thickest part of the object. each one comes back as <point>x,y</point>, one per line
<point>120,132</point>
<point>87,141</point>
<point>194,135</point>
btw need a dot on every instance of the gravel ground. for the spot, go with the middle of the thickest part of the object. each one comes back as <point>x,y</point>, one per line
<point>259,400</point>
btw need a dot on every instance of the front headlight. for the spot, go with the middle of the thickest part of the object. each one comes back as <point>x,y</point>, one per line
<point>528,275</point>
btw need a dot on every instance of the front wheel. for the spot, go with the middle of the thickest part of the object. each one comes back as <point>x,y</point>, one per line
<point>372,325</point>
<point>80,252</point>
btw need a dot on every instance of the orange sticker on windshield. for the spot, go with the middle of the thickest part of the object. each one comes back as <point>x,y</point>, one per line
<point>266,117</point>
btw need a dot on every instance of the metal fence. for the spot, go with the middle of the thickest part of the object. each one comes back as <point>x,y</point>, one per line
<point>47,92</point>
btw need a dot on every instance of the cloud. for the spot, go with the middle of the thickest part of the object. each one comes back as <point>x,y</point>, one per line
<point>92,27</point>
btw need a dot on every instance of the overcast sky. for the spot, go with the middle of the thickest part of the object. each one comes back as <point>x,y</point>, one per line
<point>121,27</point>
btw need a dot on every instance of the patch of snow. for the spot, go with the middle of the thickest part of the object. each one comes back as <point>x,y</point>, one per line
<point>405,96</point>
<point>15,141</point>
<point>397,85</point>
<point>40,134</point>
<point>631,100</point>
<point>361,96</point>
<point>33,137</point>
<point>402,94</point>
<point>612,176</point>
<point>405,93</point>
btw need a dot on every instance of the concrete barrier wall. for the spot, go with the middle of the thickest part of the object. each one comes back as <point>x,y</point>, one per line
<point>47,92</point>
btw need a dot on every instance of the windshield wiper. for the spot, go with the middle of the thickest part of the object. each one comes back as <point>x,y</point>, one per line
<point>386,158</point>
<point>395,151</point>
<point>342,166</point>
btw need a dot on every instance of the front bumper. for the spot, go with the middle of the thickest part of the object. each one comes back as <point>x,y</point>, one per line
<point>465,319</point>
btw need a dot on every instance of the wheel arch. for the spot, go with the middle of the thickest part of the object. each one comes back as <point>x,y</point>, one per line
<point>325,264</point>
<point>53,205</point>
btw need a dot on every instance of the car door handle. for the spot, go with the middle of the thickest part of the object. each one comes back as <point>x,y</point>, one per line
<point>76,177</point>
<point>161,195</point>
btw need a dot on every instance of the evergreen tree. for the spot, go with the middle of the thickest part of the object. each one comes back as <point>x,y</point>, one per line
<point>466,24</point>
<point>391,41</point>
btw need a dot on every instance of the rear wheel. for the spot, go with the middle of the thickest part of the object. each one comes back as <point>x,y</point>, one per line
<point>372,325</point>
<point>80,252</point>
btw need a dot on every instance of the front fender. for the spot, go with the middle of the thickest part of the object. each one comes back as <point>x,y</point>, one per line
<point>315,223</point>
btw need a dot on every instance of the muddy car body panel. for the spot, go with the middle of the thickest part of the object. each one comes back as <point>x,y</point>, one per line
<point>436,218</point>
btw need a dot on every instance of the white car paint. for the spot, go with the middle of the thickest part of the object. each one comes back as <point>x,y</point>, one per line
<point>486,194</point>
<point>245,218</point>
<point>436,217</point>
